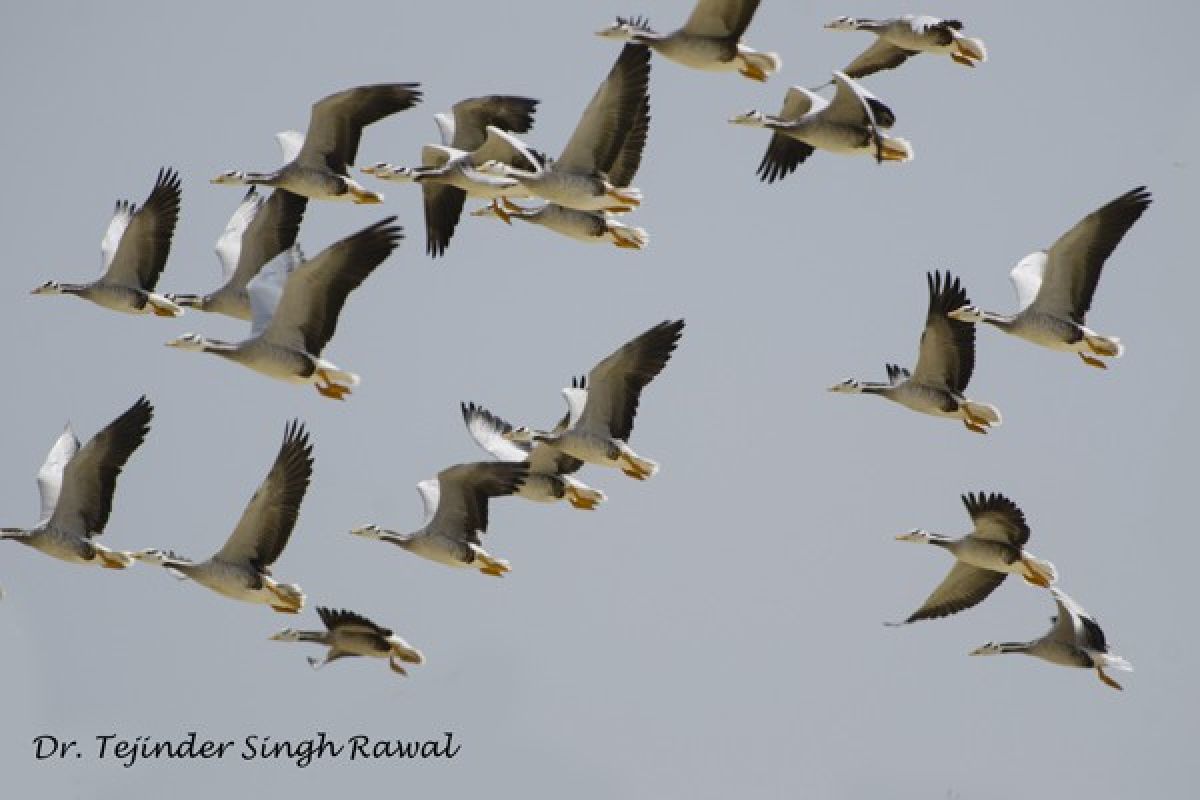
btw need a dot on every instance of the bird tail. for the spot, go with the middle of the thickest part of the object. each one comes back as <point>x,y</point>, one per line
<point>1109,346</point>
<point>186,300</point>
<point>769,63</point>
<point>637,467</point>
<point>628,236</point>
<point>988,413</point>
<point>971,48</point>
<point>1111,661</point>
<point>292,593</point>
<point>584,497</point>
<point>161,306</point>
<point>334,374</point>
<point>896,149</point>
<point>1038,571</point>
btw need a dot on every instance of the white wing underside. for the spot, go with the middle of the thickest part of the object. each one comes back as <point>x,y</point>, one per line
<point>1067,627</point>
<point>437,156</point>
<point>112,236</point>
<point>229,245</point>
<point>500,448</point>
<point>445,124</point>
<point>431,494</point>
<point>50,475</point>
<point>799,101</point>
<point>576,402</point>
<point>290,143</point>
<point>504,147</point>
<point>1027,277</point>
<point>266,288</point>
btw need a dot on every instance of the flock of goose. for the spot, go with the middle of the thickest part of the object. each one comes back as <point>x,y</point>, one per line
<point>293,304</point>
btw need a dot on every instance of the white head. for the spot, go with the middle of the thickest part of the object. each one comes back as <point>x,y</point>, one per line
<point>369,532</point>
<point>153,557</point>
<point>189,341</point>
<point>753,119</point>
<point>49,287</point>
<point>967,313</point>
<point>521,434</point>
<point>623,29</point>
<point>234,177</point>
<point>916,535</point>
<point>286,635</point>
<point>848,386</point>
<point>842,24</point>
<point>493,168</point>
<point>994,649</point>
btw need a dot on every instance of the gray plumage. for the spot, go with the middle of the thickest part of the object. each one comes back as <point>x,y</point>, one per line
<point>77,486</point>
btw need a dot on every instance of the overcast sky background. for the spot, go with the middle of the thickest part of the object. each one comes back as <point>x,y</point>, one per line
<point>712,632</point>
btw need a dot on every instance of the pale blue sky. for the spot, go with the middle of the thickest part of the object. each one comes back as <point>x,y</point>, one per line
<point>714,631</point>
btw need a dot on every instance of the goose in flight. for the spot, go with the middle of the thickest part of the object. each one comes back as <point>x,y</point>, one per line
<point>578,178</point>
<point>1055,286</point>
<point>983,558</point>
<point>1075,640</point>
<point>600,416</point>
<point>944,364</point>
<point>260,229</point>
<point>906,36</point>
<point>134,252</point>
<point>296,308</point>
<point>550,471</point>
<point>319,168</point>
<point>850,124</point>
<point>710,40</point>
<point>471,136</point>
<point>591,226</point>
<point>242,568</point>
<point>350,634</point>
<point>456,514</point>
<point>77,485</point>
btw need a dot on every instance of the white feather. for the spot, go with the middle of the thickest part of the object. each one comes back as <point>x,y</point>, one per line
<point>50,475</point>
<point>1027,277</point>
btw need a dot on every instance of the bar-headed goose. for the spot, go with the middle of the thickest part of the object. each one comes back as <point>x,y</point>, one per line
<point>944,364</point>
<point>456,514</point>
<point>260,229</point>
<point>295,311</point>
<point>591,226</point>
<point>134,249</point>
<point>851,124</point>
<point>550,471</point>
<point>319,169</point>
<point>600,416</point>
<point>1075,640</point>
<point>906,36</point>
<point>710,40</point>
<point>578,179</point>
<point>448,172</point>
<point>350,634</point>
<point>77,485</point>
<point>242,568</point>
<point>983,558</point>
<point>1055,286</point>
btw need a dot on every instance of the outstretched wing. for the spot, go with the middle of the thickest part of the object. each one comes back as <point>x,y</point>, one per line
<point>721,18</point>
<point>879,56</point>
<point>611,114</point>
<point>145,240</point>
<point>349,621</point>
<point>337,121</point>
<point>90,478</point>
<point>462,510</point>
<point>1075,261</point>
<point>615,385</point>
<point>947,353</point>
<point>997,518</point>
<point>315,293</point>
<point>267,523</point>
<point>963,587</point>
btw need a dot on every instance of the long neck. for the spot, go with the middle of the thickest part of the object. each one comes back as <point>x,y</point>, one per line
<point>937,540</point>
<point>1013,647</point>
<point>1002,321</point>
<point>873,25</point>
<point>876,388</point>
<point>13,533</point>
<point>321,637</point>
<point>263,178</point>
<point>72,288</point>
